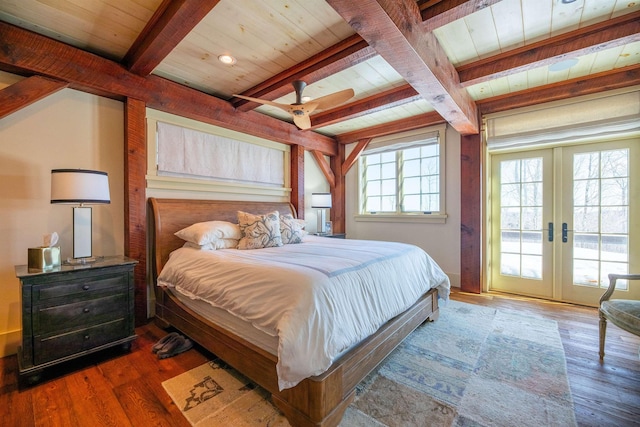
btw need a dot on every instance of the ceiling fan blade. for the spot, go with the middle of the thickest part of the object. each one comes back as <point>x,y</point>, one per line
<point>334,99</point>
<point>302,121</point>
<point>284,107</point>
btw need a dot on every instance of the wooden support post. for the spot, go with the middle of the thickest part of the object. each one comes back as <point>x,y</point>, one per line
<point>297,179</point>
<point>338,192</point>
<point>135,218</point>
<point>471,225</point>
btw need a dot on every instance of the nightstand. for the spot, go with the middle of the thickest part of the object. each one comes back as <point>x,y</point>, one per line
<point>73,310</point>
<point>334,235</point>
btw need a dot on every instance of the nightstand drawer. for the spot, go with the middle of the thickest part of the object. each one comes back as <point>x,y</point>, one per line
<point>55,347</point>
<point>87,288</point>
<point>59,318</point>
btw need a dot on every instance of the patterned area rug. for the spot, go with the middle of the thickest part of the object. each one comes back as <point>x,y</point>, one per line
<point>475,366</point>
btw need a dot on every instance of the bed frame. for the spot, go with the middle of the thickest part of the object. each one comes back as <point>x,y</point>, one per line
<point>316,401</point>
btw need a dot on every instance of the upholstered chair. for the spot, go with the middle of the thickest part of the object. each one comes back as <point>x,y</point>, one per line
<point>624,313</point>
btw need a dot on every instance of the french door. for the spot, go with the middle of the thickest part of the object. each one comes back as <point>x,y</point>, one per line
<point>563,218</point>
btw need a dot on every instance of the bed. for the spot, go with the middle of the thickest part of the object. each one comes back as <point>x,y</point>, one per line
<point>318,400</point>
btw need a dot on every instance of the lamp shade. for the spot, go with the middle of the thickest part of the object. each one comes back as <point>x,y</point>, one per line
<point>320,200</point>
<point>73,186</point>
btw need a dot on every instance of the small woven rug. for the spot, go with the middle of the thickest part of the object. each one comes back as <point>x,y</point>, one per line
<point>474,366</point>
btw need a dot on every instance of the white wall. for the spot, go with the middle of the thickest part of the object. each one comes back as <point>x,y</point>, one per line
<point>314,182</point>
<point>69,129</point>
<point>441,241</point>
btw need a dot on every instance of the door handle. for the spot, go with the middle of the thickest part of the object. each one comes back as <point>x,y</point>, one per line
<point>564,232</point>
<point>550,232</point>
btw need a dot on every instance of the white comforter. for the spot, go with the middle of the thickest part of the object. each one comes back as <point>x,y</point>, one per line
<point>319,297</point>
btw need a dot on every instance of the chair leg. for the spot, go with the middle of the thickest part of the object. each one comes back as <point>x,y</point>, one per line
<point>603,331</point>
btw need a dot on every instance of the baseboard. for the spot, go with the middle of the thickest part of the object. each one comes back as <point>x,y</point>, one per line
<point>454,279</point>
<point>9,342</point>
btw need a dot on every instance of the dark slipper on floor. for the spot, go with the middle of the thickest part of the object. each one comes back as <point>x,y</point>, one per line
<point>174,347</point>
<point>157,346</point>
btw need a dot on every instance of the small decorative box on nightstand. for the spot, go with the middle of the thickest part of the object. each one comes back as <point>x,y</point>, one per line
<point>73,310</point>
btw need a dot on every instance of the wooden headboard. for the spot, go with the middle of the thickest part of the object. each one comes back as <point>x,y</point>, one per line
<point>170,215</point>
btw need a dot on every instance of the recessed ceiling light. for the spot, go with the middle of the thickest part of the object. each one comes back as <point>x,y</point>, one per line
<point>227,59</point>
<point>563,65</point>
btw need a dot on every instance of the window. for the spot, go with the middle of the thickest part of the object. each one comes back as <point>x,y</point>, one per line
<point>403,175</point>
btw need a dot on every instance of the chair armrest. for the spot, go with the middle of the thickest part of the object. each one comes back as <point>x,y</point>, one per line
<point>613,278</point>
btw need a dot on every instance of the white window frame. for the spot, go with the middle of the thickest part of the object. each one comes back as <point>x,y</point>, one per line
<point>398,142</point>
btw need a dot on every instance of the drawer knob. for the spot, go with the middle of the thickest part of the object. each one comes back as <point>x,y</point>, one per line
<point>85,310</point>
<point>85,287</point>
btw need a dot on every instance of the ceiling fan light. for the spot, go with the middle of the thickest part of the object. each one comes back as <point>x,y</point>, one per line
<point>227,59</point>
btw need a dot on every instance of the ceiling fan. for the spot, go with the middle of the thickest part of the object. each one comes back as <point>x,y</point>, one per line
<point>300,111</point>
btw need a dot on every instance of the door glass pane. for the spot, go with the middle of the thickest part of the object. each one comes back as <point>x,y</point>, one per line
<point>615,219</point>
<point>586,192</point>
<point>521,218</point>
<point>586,165</point>
<point>614,248</point>
<point>600,216</point>
<point>532,170</point>
<point>510,195</point>
<point>532,218</point>
<point>585,272</point>
<point>586,219</point>
<point>532,243</point>
<point>532,267</point>
<point>510,242</point>
<point>510,171</point>
<point>532,194</point>
<point>510,264</point>
<point>586,246</point>
<point>510,218</point>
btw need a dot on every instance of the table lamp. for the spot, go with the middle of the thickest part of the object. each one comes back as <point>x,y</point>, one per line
<point>81,187</point>
<point>321,201</point>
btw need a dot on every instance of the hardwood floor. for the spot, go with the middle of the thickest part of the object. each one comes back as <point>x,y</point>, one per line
<point>124,389</point>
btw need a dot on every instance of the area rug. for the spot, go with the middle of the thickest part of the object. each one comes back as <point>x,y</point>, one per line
<point>474,366</point>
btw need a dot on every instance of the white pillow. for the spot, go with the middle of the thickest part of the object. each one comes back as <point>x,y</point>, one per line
<point>216,244</point>
<point>259,231</point>
<point>226,243</point>
<point>291,229</point>
<point>205,247</point>
<point>202,233</point>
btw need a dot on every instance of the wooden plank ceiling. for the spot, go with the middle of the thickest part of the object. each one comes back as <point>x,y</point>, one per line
<point>411,64</point>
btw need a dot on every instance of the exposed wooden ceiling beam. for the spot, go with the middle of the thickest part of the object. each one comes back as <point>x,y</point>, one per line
<point>393,29</point>
<point>615,32</point>
<point>608,80</point>
<point>606,34</point>
<point>338,57</point>
<point>440,13</point>
<point>410,123</point>
<point>26,92</point>
<point>378,102</point>
<point>325,168</point>
<point>354,155</point>
<point>35,54</point>
<point>347,53</point>
<point>171,23</point>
